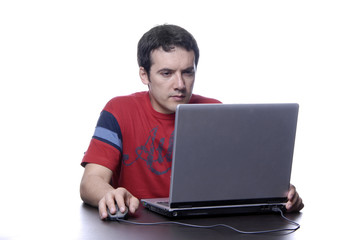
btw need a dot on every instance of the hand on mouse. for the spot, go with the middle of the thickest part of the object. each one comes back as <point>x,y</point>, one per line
<point>122,197</point>
<point>118,215</point>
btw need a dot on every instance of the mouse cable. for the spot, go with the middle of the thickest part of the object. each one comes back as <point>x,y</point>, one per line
<point>290,230</point>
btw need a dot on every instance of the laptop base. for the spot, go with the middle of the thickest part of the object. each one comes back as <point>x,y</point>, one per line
<point>212,211</point>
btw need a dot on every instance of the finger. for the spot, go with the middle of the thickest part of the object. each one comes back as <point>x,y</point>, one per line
<point>290,202</point>
<point>288,206</point>
<point>110,202</point>
<point>292,192</point>
<point>133,204</point>
<point>294,198</point>
<point>102,209</point>
<point>131,201</point>
<point>120,196</point>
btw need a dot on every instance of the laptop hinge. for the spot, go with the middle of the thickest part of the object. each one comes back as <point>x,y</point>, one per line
<point>227,202</point>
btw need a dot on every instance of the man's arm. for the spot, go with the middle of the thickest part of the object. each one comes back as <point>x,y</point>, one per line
<point>96,191</point>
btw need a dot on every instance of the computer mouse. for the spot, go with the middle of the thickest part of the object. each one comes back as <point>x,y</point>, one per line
<point>117,215</point>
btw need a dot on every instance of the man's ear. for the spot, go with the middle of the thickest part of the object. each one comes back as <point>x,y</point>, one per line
<point>144,76</point>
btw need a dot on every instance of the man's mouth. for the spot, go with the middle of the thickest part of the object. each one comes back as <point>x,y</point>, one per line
<point>178,97</point>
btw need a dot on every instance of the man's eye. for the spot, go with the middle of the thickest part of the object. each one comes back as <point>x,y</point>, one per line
<point>189,73</point>
<point>166,73</point>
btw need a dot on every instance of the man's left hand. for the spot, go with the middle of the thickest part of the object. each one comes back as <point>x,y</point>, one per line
<point>295,203</point>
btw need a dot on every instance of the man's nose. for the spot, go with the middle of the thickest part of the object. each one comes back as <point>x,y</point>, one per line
<point>179,82</point>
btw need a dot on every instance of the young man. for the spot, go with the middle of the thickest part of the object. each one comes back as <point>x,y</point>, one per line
<point>130,154</point>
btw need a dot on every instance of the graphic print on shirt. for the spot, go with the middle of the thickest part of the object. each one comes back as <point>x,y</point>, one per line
<point>153,153</point>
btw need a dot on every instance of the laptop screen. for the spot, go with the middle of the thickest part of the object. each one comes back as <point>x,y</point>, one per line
<point>232,153</point>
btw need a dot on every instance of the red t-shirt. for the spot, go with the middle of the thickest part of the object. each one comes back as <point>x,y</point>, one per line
<point>135,142</point>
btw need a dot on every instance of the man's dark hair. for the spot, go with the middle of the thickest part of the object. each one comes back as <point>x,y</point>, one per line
<point>165,36</point>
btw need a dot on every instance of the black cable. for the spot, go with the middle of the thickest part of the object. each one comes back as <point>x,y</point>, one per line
<point>222,225</point>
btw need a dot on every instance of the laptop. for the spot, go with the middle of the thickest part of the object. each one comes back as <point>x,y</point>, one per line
<point>229,159</point>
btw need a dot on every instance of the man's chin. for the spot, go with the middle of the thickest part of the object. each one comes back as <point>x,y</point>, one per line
<point>178,103</point>
<point>172,106</point>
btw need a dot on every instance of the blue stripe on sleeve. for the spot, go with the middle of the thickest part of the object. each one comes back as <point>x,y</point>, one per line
<point>108,130</point>
<point>109,136</point>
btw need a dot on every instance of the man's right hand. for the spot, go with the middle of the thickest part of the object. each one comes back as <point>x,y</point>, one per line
<point>122,197</point>
<point>96,191</point>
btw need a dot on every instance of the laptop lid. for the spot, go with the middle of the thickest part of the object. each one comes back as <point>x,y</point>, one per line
<point>232,154</point>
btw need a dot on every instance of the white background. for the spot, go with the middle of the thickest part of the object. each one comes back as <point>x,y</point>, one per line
<point>61,61</point>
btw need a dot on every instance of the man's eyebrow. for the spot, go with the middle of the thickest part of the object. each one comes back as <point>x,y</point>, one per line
<point>165,70</point>
<point>189,69</point>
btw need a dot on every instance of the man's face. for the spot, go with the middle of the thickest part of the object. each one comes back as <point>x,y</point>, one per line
<point>171,78</point>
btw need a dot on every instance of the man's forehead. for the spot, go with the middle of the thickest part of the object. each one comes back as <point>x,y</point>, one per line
<point>174,55</point>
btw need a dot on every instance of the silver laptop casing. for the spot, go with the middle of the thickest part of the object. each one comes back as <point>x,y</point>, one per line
<point>230,158</point>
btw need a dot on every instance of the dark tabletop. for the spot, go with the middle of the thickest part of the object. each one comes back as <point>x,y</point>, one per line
<point>93,227</point>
